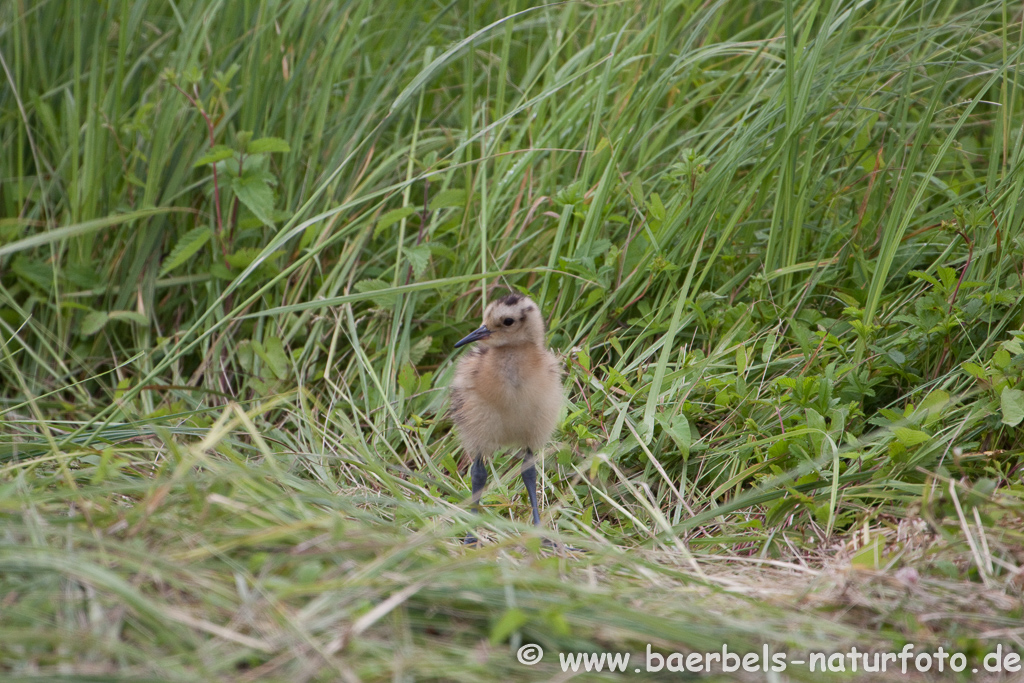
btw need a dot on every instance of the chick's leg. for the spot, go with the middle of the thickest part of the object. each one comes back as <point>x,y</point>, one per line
<point>478,477</point>
<point>530,481</point>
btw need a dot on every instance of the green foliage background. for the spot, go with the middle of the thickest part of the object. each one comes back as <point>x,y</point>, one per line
<point>779,247</point>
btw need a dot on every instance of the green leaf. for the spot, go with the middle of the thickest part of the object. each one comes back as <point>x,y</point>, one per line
<point>192,75</point>
<point>870,556</point>
<point>910,437</point>
<point>384,300</point>
<point>266,145</point>
<point>419,349</point>
<point>679,431</point>
<point>1012,405</point>
<point>448,198</point>
<point>935,401</point>
<point>93,323</point>
<point>240,259</point>
<point>442,251</point>
<point>131,316</point>
<point>558,623</point>
<point>769,347</point>
<point>275,356</point>
<point>976,370</point>
<point>221,272</point>
<point>245,352</point>
<point>584,358</point>
<point>565,459</point>
<point>222,78</point>
<point>1013,346</point>
<point>948,276</point>
<point>392,217</point>
<point>255,193</point>
<point>418,257</point>
<point>512,620</point>
<point>921,275</point>
<point>37,272</point>
<point>656,207</point>
<point>407,378</point>
<point>897,357</point>
<point>274,359</point>
<point>786,382</point>
<point>188,244</point>
<point>779,510</point>
<point>216,153</point>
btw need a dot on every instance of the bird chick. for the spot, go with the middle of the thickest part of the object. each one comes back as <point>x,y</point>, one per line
<point>507,391</point>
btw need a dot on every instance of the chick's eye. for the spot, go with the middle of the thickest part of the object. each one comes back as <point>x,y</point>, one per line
<point>507,321</point>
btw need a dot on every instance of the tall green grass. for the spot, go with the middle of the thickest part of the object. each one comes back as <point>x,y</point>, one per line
<point>778,245</point>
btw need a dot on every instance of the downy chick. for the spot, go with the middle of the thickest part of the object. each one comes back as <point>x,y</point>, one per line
<point>507,391</point>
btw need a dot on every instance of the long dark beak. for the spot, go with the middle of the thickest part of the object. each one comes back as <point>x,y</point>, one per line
<point>479,333</point>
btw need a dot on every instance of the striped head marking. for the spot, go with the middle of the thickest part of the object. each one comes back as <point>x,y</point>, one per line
<point>511,320</point>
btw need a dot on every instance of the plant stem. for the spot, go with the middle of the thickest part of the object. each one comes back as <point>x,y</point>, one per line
<point>216,185</point>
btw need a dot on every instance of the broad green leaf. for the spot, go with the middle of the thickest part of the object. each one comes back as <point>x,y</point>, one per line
<point>511,621</point>
<point>679,431</point>
<point>870,556</point>
<point>131,316</point>
<point>383,300</point>
<point>975,370</point>
<point>935,402</point>
<point>188,244</point>
<point>419,349</point>
<point>779,510</point>
<point>949,277</point>
<point>921,275</point>
<point>191,75</point>
<point>216,153</point>
<point>255,193</point>
<point>33,270</point>
<point>221,272</point>
<point>443,251</point>
<point>769,347</point>
<point>1012,405</point>
<point>392,217</point>
<point>418,257</point>
<point>565,459</point>
<point>276,357</point>
<point>241,258</point>
<point>815,421</point>
<point>266,145</point>
<point>447,198</point>
<point>910,437</point>
<point>897,357</point>
<point>1013,346</point>
<point>656,207</point>
<point>93,323</point>
<point>245,352</point>
<point>407,378</point>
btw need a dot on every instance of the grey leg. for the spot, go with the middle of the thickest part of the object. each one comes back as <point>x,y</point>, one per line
<point>530,481</point>
<point>478,477</point>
